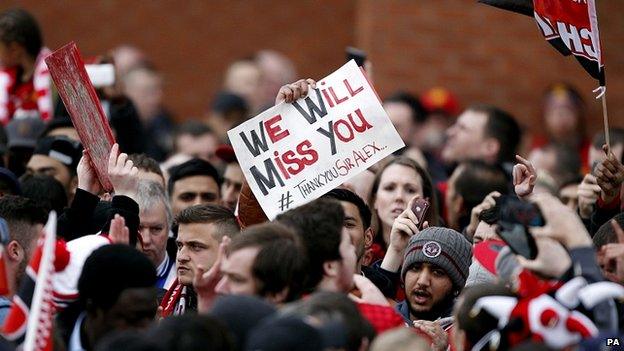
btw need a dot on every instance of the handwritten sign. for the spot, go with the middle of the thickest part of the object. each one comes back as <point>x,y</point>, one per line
<point>295,152</point>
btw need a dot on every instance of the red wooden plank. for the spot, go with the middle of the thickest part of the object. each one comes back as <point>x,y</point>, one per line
<point>73,84</point>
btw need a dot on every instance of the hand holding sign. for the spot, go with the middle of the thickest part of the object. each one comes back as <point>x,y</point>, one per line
<point>320,136</point>
<point>87,178</point>
<point>294,91</point>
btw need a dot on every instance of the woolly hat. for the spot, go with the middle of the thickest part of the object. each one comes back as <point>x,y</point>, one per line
<point>442,247</point>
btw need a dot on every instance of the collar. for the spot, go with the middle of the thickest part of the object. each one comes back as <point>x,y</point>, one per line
<point>75,343</point>
<point>163,267</point>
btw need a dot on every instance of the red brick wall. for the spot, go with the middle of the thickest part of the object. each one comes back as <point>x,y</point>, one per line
<point>483,54</point>
<point>192,42</point>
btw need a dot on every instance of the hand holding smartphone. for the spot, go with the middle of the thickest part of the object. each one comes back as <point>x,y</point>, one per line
<point>420,208</point>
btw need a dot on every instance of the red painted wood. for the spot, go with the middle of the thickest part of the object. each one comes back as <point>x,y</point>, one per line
<point>72,82</point>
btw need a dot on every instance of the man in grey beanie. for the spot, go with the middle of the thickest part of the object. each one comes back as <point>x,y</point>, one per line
<point>435,268</point>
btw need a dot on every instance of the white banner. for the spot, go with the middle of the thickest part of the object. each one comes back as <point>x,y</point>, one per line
<point>295,152</point>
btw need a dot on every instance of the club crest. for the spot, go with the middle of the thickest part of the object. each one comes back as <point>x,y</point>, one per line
<point>432,249</point>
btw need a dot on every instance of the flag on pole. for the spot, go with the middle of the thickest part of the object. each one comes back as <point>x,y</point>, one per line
<point>570,26</point>
<point>29,322</point>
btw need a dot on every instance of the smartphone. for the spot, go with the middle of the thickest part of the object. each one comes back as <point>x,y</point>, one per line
<point>516,216</point>
<point>420,208</point>
<point>356,54</point>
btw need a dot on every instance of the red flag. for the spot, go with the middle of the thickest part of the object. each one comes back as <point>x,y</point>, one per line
<point>571,26</point>
<point>70,77</point>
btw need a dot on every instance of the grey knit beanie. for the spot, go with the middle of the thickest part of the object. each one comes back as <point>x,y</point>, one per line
<point>443,247</point>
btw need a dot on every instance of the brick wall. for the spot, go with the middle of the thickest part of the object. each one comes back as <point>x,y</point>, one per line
<point>484,54</point>
<point>192,42</point>
<point>481,53</point>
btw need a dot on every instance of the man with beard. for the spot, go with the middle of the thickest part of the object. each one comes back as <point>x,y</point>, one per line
<point>434,272</point>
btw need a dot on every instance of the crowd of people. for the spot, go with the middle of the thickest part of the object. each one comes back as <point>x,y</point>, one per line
<point>418,252</point>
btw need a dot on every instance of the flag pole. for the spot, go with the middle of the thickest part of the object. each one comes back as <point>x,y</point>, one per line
<point>602,94</point>
<point>605,120</point>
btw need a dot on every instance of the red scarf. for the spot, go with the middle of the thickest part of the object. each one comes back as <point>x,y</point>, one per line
<point>24,98</point>
<point>175,300</point>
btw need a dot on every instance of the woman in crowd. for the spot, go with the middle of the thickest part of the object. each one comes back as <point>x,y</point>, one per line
<point>395,184</point>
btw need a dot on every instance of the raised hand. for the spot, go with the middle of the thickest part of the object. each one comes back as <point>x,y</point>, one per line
<point>488,202</point>
<point>562,224</point>
<point>122,173</point>
<point>614,254</point>
<point>588,193</point>
<point>403,228</point>
<point>552,259</point>
<point>293,91</point>
<point>205,282</point>
<point>439,338</point>
<point>609,175</point>
<point>524,177</point>
<point>369,292</point>
<point>118,232</point>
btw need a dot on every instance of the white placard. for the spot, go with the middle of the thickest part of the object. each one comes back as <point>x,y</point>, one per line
<point>295,152</point>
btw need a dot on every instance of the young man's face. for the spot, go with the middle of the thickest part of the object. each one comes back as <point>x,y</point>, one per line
<point>237,273</point>
<point>194,190</point>
<point>465,137</point>
<point>154,232</point>
<point>426,285</point>
<point>232,184</point>
<point>354,227</point>
<point>41,164</point>
<point>484,232</point>
<point>197,246</point>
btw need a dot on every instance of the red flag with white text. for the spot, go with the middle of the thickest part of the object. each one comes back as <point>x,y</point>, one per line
<point>571,26</point>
